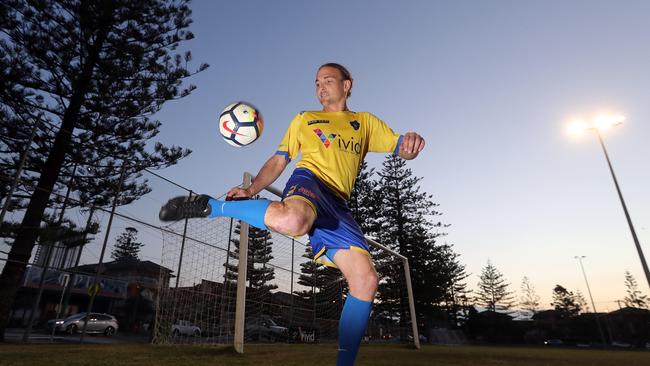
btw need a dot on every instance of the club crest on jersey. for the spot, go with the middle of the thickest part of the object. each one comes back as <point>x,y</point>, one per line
<point>327,140</point>
<point>355,124</point>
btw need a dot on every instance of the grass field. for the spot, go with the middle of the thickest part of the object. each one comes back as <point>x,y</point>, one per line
<point>260,355</point>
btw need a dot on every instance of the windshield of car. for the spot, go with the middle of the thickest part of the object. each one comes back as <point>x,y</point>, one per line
<point>75,316</point>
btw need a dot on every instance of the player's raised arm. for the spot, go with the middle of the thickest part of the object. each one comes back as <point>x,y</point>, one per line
<point>411,145</point>
<point>269,172</point>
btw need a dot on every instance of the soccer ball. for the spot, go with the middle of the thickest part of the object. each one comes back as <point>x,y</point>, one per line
<point>240,124</point>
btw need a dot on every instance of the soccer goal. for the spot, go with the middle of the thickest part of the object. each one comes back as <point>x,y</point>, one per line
<point>285,297</point>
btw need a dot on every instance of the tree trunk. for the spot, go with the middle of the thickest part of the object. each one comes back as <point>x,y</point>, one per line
<point>21,249</point>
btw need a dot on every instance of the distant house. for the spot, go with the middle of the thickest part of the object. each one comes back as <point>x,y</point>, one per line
<point>128,291</point>
<point>630,325</point>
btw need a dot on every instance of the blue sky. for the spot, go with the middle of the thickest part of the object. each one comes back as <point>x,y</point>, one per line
<point>491,85</point>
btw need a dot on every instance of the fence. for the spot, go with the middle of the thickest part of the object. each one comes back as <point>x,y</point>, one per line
<point>285,297</point>
<point>194,280</point>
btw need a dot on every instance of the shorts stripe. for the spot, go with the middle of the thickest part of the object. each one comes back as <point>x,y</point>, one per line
<point>311,204</point>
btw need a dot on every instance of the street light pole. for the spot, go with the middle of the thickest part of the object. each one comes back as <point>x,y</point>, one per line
<point>593,304</point>
<point>627,214</point>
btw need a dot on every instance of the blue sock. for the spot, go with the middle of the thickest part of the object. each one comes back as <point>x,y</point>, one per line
<point>352,326</point>
<point>251,211</point>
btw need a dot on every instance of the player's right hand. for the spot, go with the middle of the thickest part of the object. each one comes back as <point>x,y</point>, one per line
<point>238,193</point>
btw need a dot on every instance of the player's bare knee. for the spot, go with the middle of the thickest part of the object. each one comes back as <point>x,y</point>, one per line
<point>364,285</point>
<point>373,282</point>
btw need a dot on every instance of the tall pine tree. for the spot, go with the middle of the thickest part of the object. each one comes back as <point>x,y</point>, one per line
<point>260,252</point>
<point>90,74</point>
<point>406,223</point>
<point>529,300</point>
<point>323,287</point>
<point>492,292</point>
<point>363,200</point>
<point>127,246</point>
<point>634,297</point>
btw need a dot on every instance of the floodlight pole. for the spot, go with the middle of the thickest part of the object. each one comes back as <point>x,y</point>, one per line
<point>593,304</point>
<point>627,214</point>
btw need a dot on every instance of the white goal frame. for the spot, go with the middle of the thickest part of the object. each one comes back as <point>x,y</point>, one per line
<point>240,309</point>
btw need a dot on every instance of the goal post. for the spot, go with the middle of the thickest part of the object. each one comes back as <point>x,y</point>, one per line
<point>285,297</point>
<point>409,288</point>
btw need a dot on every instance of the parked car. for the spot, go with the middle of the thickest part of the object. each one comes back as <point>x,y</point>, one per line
<point>553,342</point>
<point>98,323</point>
<point>184,327</point>
<point>264,328</point>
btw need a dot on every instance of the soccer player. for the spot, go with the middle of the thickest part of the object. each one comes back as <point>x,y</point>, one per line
<point>333,143</point>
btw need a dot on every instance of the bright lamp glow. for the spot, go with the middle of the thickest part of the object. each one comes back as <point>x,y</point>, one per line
<point>577,127</point>
<point>600,123</point>
<point>604,122</point>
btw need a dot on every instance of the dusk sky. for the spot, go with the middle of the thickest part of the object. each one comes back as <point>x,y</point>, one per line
<point>492,87</point>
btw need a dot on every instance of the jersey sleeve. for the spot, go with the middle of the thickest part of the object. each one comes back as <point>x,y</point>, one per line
<point>382,138</point>
<point>290,144</point>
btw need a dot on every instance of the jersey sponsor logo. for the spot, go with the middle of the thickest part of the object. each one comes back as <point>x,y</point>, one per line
<point>326,139</point>
<point>355,124</point>
<point>350,145</point>
<point>316,121</point>
<point>306,192</point>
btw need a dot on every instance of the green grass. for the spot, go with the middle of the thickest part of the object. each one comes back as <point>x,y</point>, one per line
<point>316,355</point>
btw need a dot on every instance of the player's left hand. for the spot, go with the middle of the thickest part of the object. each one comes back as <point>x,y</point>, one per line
<point>412,144</point>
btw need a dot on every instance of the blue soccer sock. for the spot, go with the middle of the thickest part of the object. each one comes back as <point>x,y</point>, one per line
<point>251,211</point>
<point>352,326</point>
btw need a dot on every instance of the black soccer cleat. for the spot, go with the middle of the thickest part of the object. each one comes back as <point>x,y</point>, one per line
<point>185,207</point>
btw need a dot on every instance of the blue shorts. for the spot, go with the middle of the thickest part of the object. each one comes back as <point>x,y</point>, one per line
<point>334,228</point>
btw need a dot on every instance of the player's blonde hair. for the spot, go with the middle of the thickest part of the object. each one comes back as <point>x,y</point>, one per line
<point>345,73</point>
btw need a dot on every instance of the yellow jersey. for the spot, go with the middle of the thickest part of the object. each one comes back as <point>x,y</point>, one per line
<point>333,145</point>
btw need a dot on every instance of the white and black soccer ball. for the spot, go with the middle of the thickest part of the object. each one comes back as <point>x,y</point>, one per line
<point>240,124</point>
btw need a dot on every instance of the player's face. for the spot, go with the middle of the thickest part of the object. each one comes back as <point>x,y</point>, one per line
<point>330,86</point>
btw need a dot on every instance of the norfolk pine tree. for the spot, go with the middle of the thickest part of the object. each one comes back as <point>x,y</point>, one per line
<point>529,300</point>
<point>260,252</point>
<point>318,279</point>
<point>363,200</point>
<point>492,291</point>
<point>406,223</point>
<point>634,297</point>
<point>127,246</point>
<point>93,73</point>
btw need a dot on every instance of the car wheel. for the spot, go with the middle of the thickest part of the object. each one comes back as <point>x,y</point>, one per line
<point>109,331</point>
<point>197,333</point>
<point>72,329</point>
<point>176,333</point>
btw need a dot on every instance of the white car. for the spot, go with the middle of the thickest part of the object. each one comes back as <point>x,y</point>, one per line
<point>97,323</point>
<point>184,327</point>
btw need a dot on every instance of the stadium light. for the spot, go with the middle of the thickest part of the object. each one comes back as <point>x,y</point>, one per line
<point>602,123</point>
<point>593,304</point>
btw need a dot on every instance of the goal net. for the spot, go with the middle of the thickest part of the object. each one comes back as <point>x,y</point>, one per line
<point>285,297</point>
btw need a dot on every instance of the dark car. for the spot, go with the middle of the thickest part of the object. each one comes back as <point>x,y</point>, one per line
<point>264,328</point>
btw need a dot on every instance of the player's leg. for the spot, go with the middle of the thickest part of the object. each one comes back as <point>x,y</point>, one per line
<point>362,279</point>
<point>291,217</point>
<point>359,272</point>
